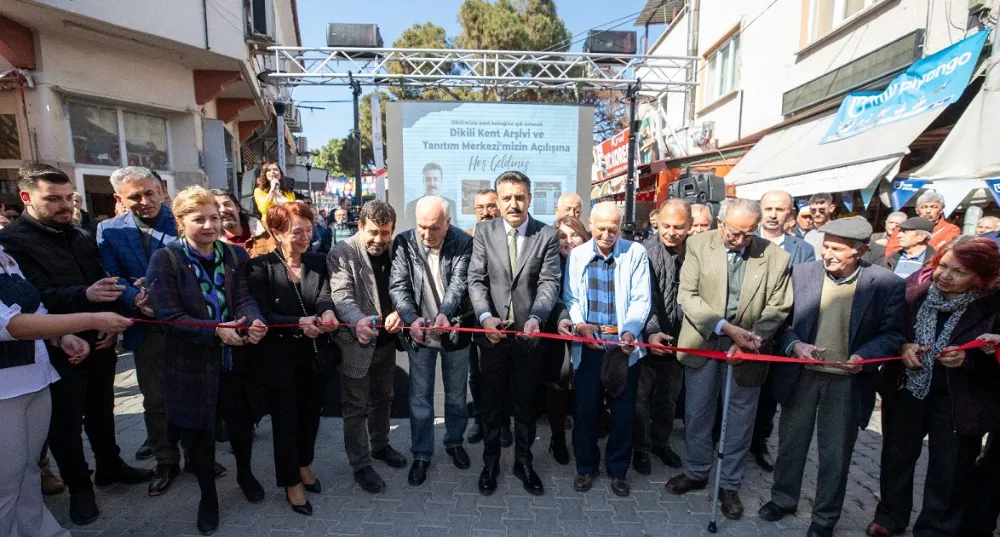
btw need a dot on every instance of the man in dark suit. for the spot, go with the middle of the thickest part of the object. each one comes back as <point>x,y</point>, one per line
<point>778,209</point>
<point>126,243</point>
<point>845,310</point>
<point>514,280</point>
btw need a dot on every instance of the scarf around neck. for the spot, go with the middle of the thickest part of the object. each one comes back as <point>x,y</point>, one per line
<point>918,381</point>
<point>213,289</point>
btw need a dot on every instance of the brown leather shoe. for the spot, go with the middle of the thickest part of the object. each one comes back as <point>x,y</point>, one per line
<point>681,484</point>
<point>620,487</point>
<point>51,484</point>
<point>584,482</point>
<point>877,530</point>
<point>732,507</point>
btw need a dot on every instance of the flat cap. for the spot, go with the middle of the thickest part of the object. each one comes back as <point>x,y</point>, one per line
<point>853,227</point>
<point>917,224</point>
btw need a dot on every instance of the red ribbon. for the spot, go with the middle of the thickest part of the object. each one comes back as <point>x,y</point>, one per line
<point>715,355</point>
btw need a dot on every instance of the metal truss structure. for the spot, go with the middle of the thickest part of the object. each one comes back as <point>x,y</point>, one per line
<point>416,68</point>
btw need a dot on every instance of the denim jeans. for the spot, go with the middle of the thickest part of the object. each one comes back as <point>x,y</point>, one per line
<point>455,372</point>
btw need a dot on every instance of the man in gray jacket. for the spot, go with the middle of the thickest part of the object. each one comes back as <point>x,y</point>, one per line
<point>359,286</point>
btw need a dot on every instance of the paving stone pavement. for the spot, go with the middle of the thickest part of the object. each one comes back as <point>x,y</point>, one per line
<point>448,504</point>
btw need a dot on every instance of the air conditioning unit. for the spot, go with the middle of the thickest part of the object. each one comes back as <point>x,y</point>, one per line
<point>261,22</point>
<point>605,42</point>
<point>301,145</point>
<point>354,36</point>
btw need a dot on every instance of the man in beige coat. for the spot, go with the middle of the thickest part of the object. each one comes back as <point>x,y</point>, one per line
<point>735,293</point>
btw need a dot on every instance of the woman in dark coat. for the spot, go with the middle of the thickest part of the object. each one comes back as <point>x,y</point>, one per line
<point>951,396</point>
<point>201,280</point>
<point>292,286</point>
<point>558,370</point>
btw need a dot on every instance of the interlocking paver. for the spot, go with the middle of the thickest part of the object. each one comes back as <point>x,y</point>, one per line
<point>448,504</point>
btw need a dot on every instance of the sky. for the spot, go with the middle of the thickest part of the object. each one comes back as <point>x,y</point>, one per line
<point>395,16</point>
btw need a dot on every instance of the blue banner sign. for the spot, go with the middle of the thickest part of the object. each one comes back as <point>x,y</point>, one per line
<point>993,185</point>
<point>929,84</point>
<point>903,190</point>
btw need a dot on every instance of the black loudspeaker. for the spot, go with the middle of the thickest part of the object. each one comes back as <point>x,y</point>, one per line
<point>354,35</point>
<point>702,188</point>
<point>604,42</point>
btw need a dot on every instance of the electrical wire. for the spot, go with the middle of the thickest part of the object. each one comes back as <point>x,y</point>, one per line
<point>573,39</point>
<point>225,18</point>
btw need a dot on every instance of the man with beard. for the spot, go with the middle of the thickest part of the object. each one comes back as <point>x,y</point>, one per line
<point>239,228</point>
<point>485,205</point>
<point>126,244</point>
<point>514,280</point>
<point>661,376</point>
<point>433,179</point>
<point>777,206</point>
<point>360,270</point>
<point>64,264</point>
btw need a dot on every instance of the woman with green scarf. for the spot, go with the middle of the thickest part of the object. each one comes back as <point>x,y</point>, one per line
<point>200,284</point>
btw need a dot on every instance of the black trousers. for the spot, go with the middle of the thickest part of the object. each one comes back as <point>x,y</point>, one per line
<point>511,370</point>
<point>767,407</point>
<point>237,406</point>
<point>199,445</point>
<point>476,387</point>
<point>981,516</point>
<point>950,466</point>
<point>295,413</point>
<point>84,399</point>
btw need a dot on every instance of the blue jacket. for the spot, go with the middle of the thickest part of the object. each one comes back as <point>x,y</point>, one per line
<point>993,236</point>
<point>798,250</point>
<point>632,291</point>
<point>120,246</point>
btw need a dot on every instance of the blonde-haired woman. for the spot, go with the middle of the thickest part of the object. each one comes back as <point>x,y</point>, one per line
<point>194,281</point>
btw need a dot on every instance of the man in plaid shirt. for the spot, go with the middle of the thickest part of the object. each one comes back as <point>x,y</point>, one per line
<point>607,293</point>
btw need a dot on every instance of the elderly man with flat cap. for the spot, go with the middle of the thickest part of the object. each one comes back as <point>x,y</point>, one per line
<point>845,310</point>
<point>915,251</point>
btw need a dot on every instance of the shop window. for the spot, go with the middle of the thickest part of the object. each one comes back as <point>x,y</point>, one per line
<point>10,144</point>
<point>827,15</point>
<point>97,137</point>
<point>723,70</point>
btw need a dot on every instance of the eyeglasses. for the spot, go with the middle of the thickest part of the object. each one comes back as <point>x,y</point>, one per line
<point>736,235</point>
<point>488,207</point>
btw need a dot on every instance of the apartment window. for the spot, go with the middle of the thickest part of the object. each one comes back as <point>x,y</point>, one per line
<point>826,15</point>
<point>113,136</point>
<point>722,67</point>
<point>10,143</point>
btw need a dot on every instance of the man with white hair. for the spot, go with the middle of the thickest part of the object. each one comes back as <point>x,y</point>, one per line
<point>701,218</point>
<point>126,243</point>
<point>742,315</point>
<point>891,223</point>
<point>569,205</point>
<point>930,205</point>
<point>987,224</point>
<point>915,250</point>
<point>607,294</point>
<point>428,286</point>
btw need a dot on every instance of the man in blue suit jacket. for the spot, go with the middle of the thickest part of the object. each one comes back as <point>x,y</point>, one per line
<point>845,310</point>
<point>126,244</point>
<point>778,207</point>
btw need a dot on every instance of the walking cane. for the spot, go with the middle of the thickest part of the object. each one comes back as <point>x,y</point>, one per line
<point>712,527</point>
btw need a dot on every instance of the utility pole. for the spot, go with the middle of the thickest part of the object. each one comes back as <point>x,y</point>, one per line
<point>357,140</point>
<point>630,186</point>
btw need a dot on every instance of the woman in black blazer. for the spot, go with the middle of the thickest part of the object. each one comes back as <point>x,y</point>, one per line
<point>293,287</point>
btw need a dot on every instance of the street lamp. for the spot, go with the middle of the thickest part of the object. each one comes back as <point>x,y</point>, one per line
<point>306,159</point>
<point>279,96</point>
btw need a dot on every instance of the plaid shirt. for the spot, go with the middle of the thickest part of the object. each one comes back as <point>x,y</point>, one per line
<point>601,292</point>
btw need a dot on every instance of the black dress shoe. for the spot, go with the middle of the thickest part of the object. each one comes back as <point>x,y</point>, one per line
<point>418,472</point>
<point>682,484</point>
<point>304,509</point>
<point>369,480</point>
<point>667,455</point>
<point>763,458</point>
<point>83,508</point>
<point>251,488</point>
<point>584,482</point>
<point>506,437</point>
<point>620,487</point>
<point>731,505</point>
<point>163,476</point>
<point>818,531</point>
<point>532,483</point>
<point>488,479</point>
<point>477,434</point>
<point>641,463</point>
<point>772,512</point>
<point>390,456</point>
<point>144,452</point>
<point>122,473</point>
<point>315,487</point>
<point>557,447</point>
<point>459,457</point>
<point>208,516</point>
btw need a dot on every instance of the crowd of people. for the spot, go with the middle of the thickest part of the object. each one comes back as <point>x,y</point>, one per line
<point>230,317</point>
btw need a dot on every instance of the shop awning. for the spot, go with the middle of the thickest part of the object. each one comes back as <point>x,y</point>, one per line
<point>970,150</point>
<point>793,159</point>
